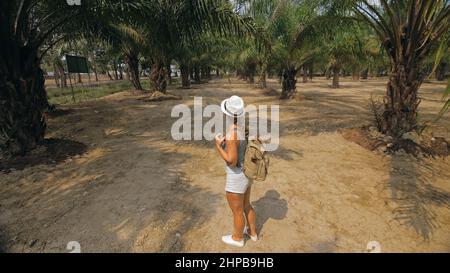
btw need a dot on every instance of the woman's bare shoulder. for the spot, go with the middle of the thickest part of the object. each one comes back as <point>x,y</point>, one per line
<point>232,133</point>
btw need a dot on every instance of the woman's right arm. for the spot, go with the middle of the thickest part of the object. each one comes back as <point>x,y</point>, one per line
<point>230,156</point>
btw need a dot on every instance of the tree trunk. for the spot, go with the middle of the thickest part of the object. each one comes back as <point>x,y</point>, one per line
<point>169,74</point>
<point>328,74</point>
<point>289,83</point>
<point>127,74</point>
<point>133,67</point>
<point>263,76</point>
<point>95,73</point>
<point>120,72</point>
<point>335,83</point>
<point>250,77</point>
<point>159,77</point>
<point>116,77</point>
<point>355,73</point>
<point>56,75</point>
<point>305,74</point>
<point>109,75</point>
<point>379,72</point>
<point>365,74</point>
<point>94,69</point>
<point>401,102</point>
<point>250,72</point>
<point>185,81</point>
<point>197,74</point>
<point>440,71</point>
<point>23,100</point>
<point>79,78</point>
<point>62,74</point>
<point>208,73</point>
<point>238,73</point>
<point>217,73</point>
<point>311,71</point>
<point>203,73</point>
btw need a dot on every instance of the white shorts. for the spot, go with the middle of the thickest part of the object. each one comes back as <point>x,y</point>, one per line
<point>237,182</point>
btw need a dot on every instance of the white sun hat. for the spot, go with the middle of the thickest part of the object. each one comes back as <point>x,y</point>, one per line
<point>233,106</point>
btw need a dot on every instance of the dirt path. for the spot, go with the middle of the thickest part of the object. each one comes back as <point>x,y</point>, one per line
<point>135,189</point>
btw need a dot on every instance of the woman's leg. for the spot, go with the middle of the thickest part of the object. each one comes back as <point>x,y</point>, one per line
<point>236,203</point>
<point>250,212</point>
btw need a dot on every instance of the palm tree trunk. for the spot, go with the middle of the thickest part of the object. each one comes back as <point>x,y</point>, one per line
<point>263,76</point>
<point>203,74</point>
<point>94,69</point>
<point>79,78</point>
<point>127,73</point>
<point>335,83</point>
<point>251,77</point>
<point>120,72</point>
<point>23,99</point>
<point>197,74</point>
<point>63,75</point>
<point>109,75</point>
<point>250,72</point>
<point>311,71</point>
<point>238,73</point>
<point>116,76</point>
<point>185,81</point>
<point>133,66</point>
<point>289,83</point>
<point>365,74</point>
<point>95,73</point>
<point>355,73</point>
<point>441,71</point>
<point>328,74</point>
<point>208,72</point>
<point>169,74</point>
<point>305,74</point>
<point>401,102</point>
<point>56,75</point>
<point>159,77</point>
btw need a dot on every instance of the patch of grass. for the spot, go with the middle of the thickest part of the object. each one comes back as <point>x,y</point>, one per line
<point>83,93</point>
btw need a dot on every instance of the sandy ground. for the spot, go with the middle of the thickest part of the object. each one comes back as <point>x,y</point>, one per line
<point>137,190</point>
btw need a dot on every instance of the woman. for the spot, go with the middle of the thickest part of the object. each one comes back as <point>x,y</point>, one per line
<point>232,148</point>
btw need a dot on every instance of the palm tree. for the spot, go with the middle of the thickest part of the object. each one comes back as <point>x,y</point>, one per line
<point>285,34</point>
<point>179,22</point>
<point>244,58</point>
<point>409,30</point>
<point>28,29</point>
<point>130,39</point>
<point>343,46</point>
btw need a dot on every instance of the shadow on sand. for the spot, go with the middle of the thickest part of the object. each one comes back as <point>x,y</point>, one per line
<point>52,151</point>
<point>411,188</point>
<point>270,206</point>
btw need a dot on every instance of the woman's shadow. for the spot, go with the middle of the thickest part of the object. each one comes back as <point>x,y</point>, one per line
<point>269,206</point>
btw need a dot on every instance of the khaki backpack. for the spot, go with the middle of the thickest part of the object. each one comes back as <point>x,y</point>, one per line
<point>256,162</point>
